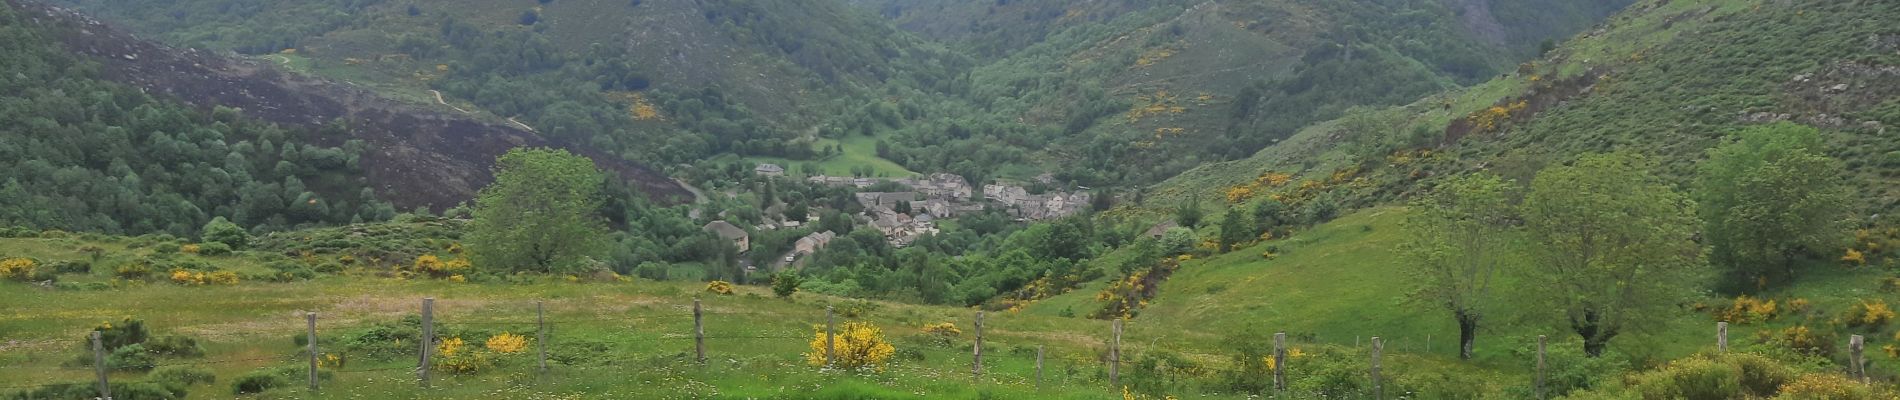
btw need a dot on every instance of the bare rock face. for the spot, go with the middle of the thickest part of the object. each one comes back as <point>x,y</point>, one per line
<point>417,157</point>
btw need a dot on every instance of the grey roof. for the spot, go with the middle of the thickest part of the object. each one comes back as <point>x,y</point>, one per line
<point>725,230</point>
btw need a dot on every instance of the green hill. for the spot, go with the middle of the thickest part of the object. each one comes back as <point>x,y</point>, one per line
<point>1667,79</point>
<point>1100,93</point>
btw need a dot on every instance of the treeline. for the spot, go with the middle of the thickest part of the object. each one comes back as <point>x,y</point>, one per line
<point>84,154</point>
<point>248,27</point>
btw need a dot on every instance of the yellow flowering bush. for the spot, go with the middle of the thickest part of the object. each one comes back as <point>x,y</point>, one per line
<point>1854,257</point>
<point>17,268</point>
<point>858,345</point>
<point>1866,313</point>
<point>434,267</point>
<point>943,329</point>
<point>222,278</point>
<point>451,356</point>
<point>1748,310</point>
<point>331,361</point>
<point>1800,339</point>
<point>1828,386</point>
<point>196,278</point>
<point>719,287</point>
<point>193,248</point>
<point>507,343</point>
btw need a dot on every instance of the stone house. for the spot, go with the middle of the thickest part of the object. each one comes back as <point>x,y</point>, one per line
<point>731,233</point>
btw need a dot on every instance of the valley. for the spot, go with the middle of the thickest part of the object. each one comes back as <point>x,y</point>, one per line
<point>872,199</point>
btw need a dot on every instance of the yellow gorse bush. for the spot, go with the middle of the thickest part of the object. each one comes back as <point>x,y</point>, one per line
<point>943,329</point>
<point>1748,310</point>
<point>452,357</point>
<point>1826,386</point>
<point>434,267</point>
<point>1854,257</point>
<point>449,347</point>
<point>507,343</point>
<point>857,345</point>
<point>719,287</point>
<point>194,278</point>
<point>1868,313</point>
<point>190,248</point>
<point>17,268</point>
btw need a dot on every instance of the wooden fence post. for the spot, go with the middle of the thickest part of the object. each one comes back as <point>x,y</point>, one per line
<point>1115,355</point>
<point>1855,344</point>
<point>428,339</point>
<point>1378,390</point>
<point>1039,366</point>
<point>99,365</point>
<point>1279,361</point>
<point>1538,385</point>
<point>311,318</point>
<point>541,332</point>
<point>699,333</point>
<point>1721,337</point>
<point>831,335</point>
<point>976,350</point>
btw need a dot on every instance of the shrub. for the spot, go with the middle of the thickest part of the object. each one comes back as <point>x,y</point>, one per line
<point>858,345</point>
<point>131,358</point>
<point>125,333</point>
<point>1868,314</point>
<point>941,335</point>
<point>507,343</point>
<point>166,248</point>
<point>454,356</point>
<point>223,231</point>
<point>174,346</point>
<point>1800,339</point>
<point>214,249</point>
<point>258,382</point>
<point>1828,387</point>
<point>18,269</point>
<point>784,284</point>
<point>1693,378</point>
<point>182,376</point>
<point>136,270</point>
<point>72,267</point>
<point>1747,310</point>
<point>434,267</point>
<point>719,287</point>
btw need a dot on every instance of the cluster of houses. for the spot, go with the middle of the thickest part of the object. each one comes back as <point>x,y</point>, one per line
<point>905,216</point>
<point>941,196</point>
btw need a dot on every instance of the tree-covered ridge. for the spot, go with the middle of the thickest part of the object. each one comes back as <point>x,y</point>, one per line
<point>1031,87</point>
<point>1667,79</point>
<point>81,153</point>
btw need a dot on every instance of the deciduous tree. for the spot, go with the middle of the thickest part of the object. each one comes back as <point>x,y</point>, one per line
<point>539,214</point>
<point>1768,198</point>
<point>1613,245</point>
<point>1458,239</point>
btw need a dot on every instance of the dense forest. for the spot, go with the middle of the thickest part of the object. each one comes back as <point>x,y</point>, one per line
<point>85,154</point>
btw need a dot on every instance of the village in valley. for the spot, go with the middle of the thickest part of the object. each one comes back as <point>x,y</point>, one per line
<point>904,216</point>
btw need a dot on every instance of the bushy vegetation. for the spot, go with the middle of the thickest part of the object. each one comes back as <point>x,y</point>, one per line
<point>85,154</point>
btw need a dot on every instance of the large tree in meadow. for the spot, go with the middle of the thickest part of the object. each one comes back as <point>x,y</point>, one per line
<point>540,214</point>
<point>1458,239</point>
<point>1769,197</point>
<point>1613,245</point>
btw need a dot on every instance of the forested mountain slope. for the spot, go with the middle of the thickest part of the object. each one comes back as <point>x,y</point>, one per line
<point>200,133</point>
<point>1118,92</point>
<point>1665,79</point>
<point>657,81</point>
<point>1104,93</point>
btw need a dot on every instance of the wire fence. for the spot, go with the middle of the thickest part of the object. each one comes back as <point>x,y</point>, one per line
<point>685,337</point>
